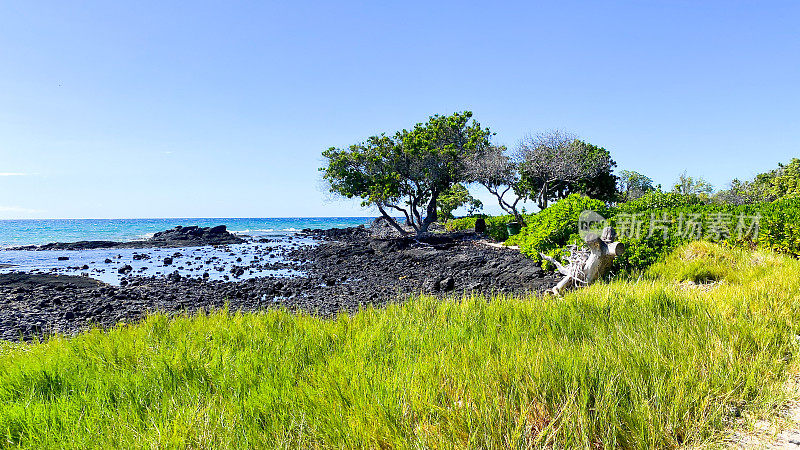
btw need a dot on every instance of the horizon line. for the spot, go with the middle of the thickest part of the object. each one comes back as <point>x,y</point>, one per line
<point>192,218</point>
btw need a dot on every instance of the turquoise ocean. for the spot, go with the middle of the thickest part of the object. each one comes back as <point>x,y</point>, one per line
<point>43,231</point>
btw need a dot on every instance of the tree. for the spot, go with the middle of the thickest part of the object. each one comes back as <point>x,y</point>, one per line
<point>498,173</point>
<point>764,187</point>
<point>555,164</point>
<point>454,198</point>
<point>632,185</point>
<point>687,185</point>
<point>408,172</point>
<point>744,192</point>
<point>785,180</point>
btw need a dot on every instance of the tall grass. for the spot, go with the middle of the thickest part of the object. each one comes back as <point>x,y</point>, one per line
<point>634,364</point>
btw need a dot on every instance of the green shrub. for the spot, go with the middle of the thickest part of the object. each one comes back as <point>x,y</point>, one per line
<point>642,252</point>
<point>462,223</point>
<point>550,229</point>
<point>659,200</point>
<point>778,227</point>
<point>495,225</point>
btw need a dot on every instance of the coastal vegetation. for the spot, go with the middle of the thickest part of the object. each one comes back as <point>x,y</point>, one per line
<point>771,225</point>
<point>764,212</point>
<point>654,362</point>
<point>407,173</point>
<point>693,334</point>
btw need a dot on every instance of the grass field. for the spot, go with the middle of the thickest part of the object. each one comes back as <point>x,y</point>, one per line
<point>651,362</point>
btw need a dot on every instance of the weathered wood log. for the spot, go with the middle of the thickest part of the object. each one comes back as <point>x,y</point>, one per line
<point>587,265</point>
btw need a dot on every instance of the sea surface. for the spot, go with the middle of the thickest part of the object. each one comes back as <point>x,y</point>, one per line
<point>195,262</point>
<point>43,231</point>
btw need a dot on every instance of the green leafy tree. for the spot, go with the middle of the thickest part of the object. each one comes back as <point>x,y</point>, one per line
<point>745,192</point>
<point>454,198</point>
<point>632,185</point>
<point>784,181</point>
<point>687,185</point>
<point>408,172</point>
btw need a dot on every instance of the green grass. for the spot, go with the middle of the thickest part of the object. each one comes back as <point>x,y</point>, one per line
<point>635,364</point>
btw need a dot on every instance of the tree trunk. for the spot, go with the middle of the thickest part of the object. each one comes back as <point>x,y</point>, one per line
<point>391,221</point>
<point>584,269</point>
<point>510,208</point>
<point>541,198</point>
<point>519,219</point>
<point>430,213</point>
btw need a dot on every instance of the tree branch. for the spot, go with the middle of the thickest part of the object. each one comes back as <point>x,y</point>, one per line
<point>391,220</point>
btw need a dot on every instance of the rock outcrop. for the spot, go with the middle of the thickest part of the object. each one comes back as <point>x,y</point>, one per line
<point>179,236</point>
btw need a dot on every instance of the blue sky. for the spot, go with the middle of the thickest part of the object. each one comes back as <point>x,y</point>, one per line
<point>221,109</point>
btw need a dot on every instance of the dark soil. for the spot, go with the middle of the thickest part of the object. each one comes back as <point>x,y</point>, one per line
<point>346,271</point>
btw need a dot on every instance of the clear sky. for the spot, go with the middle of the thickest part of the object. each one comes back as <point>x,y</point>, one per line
<point>221,109</point>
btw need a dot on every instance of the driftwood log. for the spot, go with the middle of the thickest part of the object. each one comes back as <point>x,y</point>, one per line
<point>587,265</point>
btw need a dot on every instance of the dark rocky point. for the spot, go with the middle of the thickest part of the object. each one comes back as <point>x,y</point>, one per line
<point>179,236</point>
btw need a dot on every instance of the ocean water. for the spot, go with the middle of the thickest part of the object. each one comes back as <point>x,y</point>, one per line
<point>36,232</point>
<point>214,262</point>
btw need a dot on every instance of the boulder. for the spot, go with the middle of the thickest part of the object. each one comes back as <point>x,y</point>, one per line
<point>480,226</point>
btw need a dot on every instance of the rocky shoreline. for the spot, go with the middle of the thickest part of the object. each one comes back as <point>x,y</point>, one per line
<point>346,270</point>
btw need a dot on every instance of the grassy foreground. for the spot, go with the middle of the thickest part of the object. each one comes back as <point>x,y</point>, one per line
<point>645,363</point>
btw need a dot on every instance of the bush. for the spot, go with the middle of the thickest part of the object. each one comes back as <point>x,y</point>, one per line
<point>778,227</point>
<point>495,225</point>
<point>641,253</point>
<point>551,229</point>
<point>659,200</point>
<point>462,223</point>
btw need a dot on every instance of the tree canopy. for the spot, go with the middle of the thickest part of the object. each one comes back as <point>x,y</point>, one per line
<point>454,198</point>
<point>496,171</point>
<point>633,185</point>
<point>688,185</point>
<point>555,164</point>
<point>784,181</point>
<point>408,172</point>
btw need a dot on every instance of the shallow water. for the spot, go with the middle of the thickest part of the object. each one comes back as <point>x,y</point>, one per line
<point>193,262</point>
